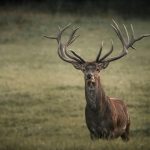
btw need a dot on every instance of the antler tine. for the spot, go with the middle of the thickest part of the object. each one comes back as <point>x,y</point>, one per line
<point>58,37</point>
<point>50,37</point>
<point>75,54</point>
<point>133,35</point>
<point>61,54</point>
<point>100,51</point>
<point>78,59</point>
<point>126,44</point>
<point>142,36</point>
<point>119,32</point>
<point>107,54</point>
<point>123,41</point>
<point>61,31</point>
<point>134,39</point>
<point>125,28</point>
<point>73,37</point>
<point>62,48</point>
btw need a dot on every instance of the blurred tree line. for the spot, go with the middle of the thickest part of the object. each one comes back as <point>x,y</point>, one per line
<point>122,7</point>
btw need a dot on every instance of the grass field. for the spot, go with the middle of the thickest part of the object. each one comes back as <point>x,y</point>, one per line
<point>42,98</point>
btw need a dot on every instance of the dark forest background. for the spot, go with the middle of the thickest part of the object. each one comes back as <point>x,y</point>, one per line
<point>125,8</point>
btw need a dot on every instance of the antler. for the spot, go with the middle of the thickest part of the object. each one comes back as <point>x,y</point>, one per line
<point>62,47</point>
<point>125,43</point>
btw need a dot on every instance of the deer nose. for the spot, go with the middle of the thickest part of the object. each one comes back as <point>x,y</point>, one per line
<point>89,76</point>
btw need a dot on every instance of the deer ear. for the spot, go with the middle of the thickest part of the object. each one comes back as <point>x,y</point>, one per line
<point>77,66</point>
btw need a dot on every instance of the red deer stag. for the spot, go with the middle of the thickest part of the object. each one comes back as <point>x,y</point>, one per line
<point>106,117</point>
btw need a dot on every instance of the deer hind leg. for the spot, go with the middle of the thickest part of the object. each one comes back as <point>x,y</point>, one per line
<point>125,135</point>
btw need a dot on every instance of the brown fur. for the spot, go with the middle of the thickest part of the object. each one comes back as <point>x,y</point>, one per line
<point>109,119</point>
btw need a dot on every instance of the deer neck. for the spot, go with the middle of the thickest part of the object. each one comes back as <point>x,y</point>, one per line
<point>95,95</point>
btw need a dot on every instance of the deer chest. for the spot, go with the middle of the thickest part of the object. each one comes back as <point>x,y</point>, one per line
<point>97,124</point>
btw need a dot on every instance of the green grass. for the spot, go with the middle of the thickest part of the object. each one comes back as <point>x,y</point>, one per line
<point>42,98</point>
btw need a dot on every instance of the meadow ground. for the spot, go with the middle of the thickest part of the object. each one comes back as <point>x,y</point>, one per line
<point>42,98</point>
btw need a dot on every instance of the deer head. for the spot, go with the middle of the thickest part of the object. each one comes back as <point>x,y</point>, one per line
<point>91,69</point>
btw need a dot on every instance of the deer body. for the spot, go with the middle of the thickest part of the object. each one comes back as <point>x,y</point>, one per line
<point>106,117</point>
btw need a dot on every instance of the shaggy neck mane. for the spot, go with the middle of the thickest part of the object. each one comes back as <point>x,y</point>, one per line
<point>95,97</point>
